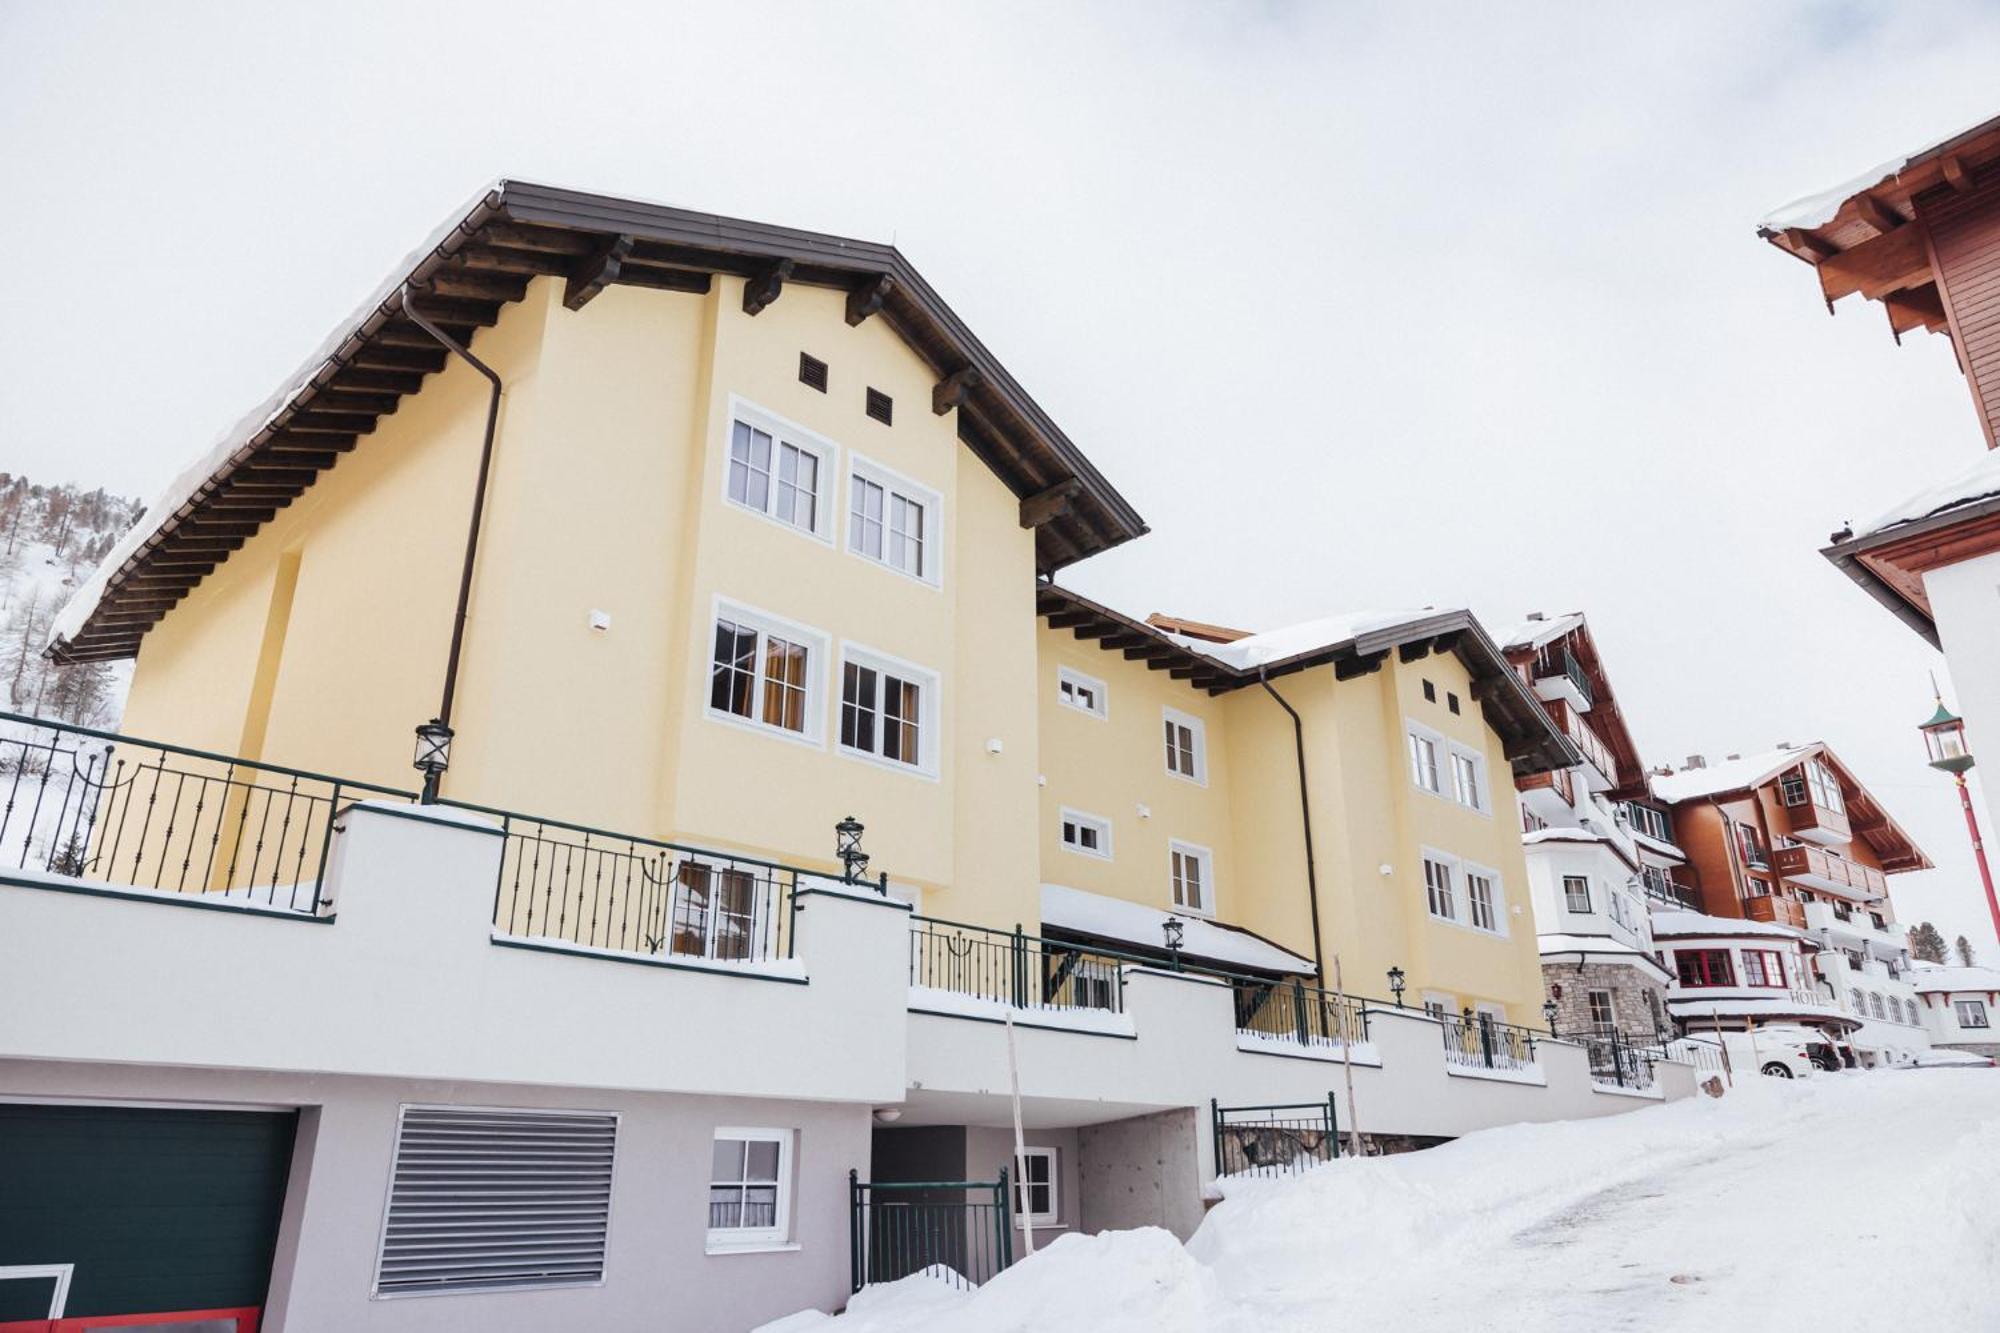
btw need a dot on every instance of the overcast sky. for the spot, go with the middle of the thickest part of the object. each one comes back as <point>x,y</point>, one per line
<point>1362,306</point>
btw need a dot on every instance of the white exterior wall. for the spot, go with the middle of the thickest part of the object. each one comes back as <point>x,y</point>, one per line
<point>1941,1020</point>
<point>1551,860</point>
<point>1878,1040</point>
<point>1965,605</point>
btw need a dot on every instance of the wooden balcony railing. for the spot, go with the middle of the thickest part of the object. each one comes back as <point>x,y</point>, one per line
<point>1820,869</point>
<point>1781,911</point>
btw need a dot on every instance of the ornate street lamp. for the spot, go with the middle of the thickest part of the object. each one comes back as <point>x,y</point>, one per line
<point>433,756</point>
<point>1174,929</point>
<point>847,846</point>
<point>1549,1015</point>
<point>1944,738</point>
<point>1396,984</point>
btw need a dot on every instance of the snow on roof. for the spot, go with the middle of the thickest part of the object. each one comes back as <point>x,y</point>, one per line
<point>1136,923</point>
<point>1559,942</point>
<point>1655,845</point>
<point>1677,923</point>
<point>83,603</point>
<point>1307,636</point>
<point>1816,210</point>
<point>1533,633</point>
<point>1729,775</point>
<point>1979,481</point>
<point>1936,978</point>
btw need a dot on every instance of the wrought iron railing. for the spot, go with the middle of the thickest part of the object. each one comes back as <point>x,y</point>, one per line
<point>1014,968</point>
<point>1273,1140</point>
<point>1478,1041</point>
<point>959,1230</point>
<point>1706,1056</point>
<point>1616,1060</point>
<point>98,807</point>
<point>1294,1011</point>
<point>619,892</point>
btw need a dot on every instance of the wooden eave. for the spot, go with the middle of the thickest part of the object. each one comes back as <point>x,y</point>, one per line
<point>1532,742</point>
<point>519,231</point>
<point>1890,565</point>
<point>1875,243</point>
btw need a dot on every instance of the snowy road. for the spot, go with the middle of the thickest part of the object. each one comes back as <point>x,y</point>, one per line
<point>1863,1201</point>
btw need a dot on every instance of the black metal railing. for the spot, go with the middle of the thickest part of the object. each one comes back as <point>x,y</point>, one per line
<point>99,807</point>
<point>960,1229</point>
<point>1662,888</point>
<point>1479,1041</point>
<point>1014,968</point>
<point>1556,660</point>
<point>1273,1140</point>
<point>1293,1011</point>
<point>622,893</point>
<point>1619,1060</point>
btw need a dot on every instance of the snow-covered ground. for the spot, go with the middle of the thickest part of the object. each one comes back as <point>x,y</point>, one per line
<point>1857,1201</point>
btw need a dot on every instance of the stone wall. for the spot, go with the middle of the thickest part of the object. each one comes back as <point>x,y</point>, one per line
<point>1629,987</point>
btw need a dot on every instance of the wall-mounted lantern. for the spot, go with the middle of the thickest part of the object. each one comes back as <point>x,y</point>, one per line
<point>847,846</point>
<point>1396,983</point>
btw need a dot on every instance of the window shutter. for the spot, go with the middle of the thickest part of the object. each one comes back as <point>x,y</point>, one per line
<point>482,1200</point>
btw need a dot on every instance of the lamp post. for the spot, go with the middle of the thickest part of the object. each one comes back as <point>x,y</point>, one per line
<point>1944,738</point>
<point>433,756</point>
<point>1549,1015</point>
<point>1174,930</point>
<point>847,846</point>
<point>1396,984</point>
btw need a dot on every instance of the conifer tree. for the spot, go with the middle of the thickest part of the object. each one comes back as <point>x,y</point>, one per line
<point>1963,949</point>
<point>1926,942</point>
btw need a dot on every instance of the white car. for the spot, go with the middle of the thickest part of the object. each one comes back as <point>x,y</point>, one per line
<point>1949,1059</point>
<point>1780,1050</point>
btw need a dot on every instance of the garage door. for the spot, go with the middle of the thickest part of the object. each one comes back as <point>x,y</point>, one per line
<point>138,1211</point>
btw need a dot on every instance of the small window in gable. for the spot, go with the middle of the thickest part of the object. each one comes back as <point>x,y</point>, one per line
<point>1187,746</point>
<point>1084,693</point>
<point>1430,693</point>
<point>1086,835</point>
<point>881,407</point>
<point>1451,702</point>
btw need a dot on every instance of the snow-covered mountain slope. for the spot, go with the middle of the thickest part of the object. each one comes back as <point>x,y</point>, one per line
<point>51,539</point>
<point>1855,1201</point>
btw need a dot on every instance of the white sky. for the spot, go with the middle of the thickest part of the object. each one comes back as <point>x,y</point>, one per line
<point>1360,305</point>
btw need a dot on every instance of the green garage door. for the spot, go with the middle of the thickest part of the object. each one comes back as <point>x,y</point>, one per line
<point>158,1210</point>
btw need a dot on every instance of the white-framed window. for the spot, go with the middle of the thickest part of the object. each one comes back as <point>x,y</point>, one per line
<point>1485,905</point>
<point>1602,1014</point>
<point>779,469</point>
<point>1576,892</point>
<point>1191,868</point>
<point>1440,887</point>
<point>1440,1004</point>
<point>1426,758</point>
<point>1088,835</point>
<point>1970,1013</point>
<point>1468,779</point>
<point>1086,694</point>
<point>720,912</point>
<point>1037,1192</point>
<point>894,521</point>
<point>1187,745</point>
<point>766,672</point>
<point>888,710</point>
<point>749,1187</point>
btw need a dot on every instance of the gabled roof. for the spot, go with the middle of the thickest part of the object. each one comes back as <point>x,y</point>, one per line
<point>1353,646</point>
<point>481,260</point>
<point>1528,639</point>
<point>1871,823</point>
<point>1857,234</point>
<point>1956,519</point>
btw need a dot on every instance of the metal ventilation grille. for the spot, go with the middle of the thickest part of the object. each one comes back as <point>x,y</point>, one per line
<point>812,372</point>
<point>881,406</point>
<point>482,1200</point>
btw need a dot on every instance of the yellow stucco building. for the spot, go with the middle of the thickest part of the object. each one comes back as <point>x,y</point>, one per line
<point>769,538</point>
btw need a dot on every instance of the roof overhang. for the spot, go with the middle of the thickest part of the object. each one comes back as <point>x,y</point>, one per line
<point>1890,565</point>
<point>482,262</point>
<point>1533,743</point>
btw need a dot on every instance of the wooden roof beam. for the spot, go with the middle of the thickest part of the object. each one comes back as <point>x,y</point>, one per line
<point>1050,504</point>
<point>1151,649</point>
<point>1957,174</point>
<point>867,299</point>
<point>1810,244</point>
<point>596,271</point>
<point>761,290</point>
<point>950,391</point>
<point>1876,214</point>
<point>1361,664</point>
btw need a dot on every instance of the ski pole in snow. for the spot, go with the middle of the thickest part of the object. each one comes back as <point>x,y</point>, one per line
<point>1347,1065</point>
<point>1020,1142</point>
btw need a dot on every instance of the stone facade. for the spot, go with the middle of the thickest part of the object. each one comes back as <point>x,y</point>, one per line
<point>1570,985</point>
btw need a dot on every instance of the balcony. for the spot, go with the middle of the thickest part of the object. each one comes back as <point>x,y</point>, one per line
<point>1662,889</point>
<point>1599,769</point>
<point>1775,910</point>
<point>1559,677</point>
<point>1829,872</point>
<point>1812,818</point>
<point>1836,920</point>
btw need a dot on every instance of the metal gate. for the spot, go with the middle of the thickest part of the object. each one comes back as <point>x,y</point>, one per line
<point>1273,1140</point>
<point>896,1228</point>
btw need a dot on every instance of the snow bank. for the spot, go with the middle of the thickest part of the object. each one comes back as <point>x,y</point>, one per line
<point>1755,1211</point>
